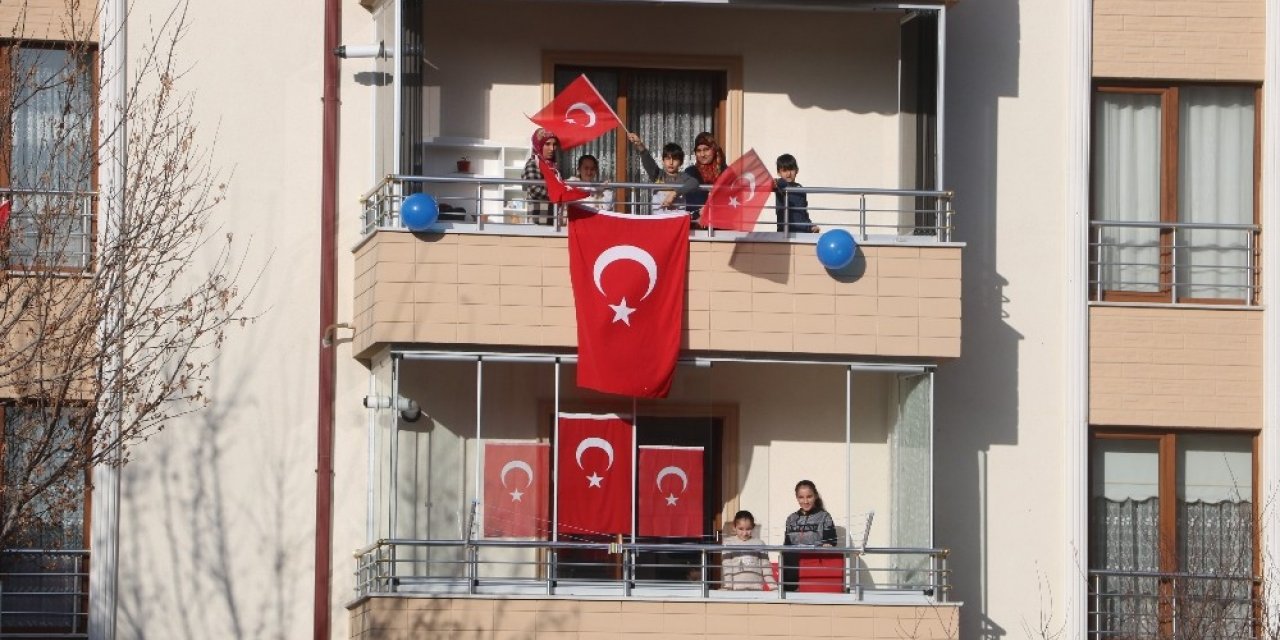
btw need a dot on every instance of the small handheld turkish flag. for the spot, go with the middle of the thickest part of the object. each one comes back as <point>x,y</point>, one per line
<point>594,458</point>
<point>670,488</point>
<point>577,115</point>
<point>628,275</point>
<point>517,498</point>
<point>739,194</point>
<point>559,191</point>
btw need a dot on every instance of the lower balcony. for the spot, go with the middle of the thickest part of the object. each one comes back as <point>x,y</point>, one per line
<point>492,588</point>
<point>1155,605</point>
<point>44,593</point>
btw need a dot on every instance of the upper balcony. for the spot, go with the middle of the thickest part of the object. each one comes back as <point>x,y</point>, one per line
<point>863,119</point>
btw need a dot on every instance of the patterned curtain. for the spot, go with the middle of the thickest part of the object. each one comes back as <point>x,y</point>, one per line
<point>1126,537</point>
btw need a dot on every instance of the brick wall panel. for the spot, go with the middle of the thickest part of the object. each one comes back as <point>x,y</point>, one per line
<point>1179,40</point>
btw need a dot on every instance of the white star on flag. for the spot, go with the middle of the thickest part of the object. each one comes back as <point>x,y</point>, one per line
<point>621,312</point>
<point>733,202</point>
<point>671,499</point>
<point>517,495</point>
<point>593,480</point>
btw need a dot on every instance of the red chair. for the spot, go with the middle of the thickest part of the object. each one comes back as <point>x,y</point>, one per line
<point>821,572</point>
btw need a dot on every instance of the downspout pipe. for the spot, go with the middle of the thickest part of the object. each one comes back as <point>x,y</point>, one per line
<point>328,316</point>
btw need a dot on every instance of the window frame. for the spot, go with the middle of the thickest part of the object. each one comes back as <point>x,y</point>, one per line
<point>8,46</point>
<point>1169,163</point>
<point>1167,537</point>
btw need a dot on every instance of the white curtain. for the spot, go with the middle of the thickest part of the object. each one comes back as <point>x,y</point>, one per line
<point>1126,187</point>
<point>52,152</point>
<point>1215,185</point>
<point>910,451</point>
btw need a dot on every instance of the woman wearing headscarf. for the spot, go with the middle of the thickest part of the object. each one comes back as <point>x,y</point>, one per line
<point>708,165</point>
<point>546,146</point>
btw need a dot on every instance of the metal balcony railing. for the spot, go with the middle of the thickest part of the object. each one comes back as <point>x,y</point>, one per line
<point>1173,262</point>
<point>44,593</point>
<point>645,570</point>
<point>50,228</point>
<point>1137,605</point>
<point>475,203</point>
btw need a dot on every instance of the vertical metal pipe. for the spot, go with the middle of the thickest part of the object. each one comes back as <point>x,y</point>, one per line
<point>555,497</point>
<point>1250,262</point>
<point>848,456</point>
<point>393,506</point>
<point>475,498</point>
<point>634,487</point>
<point>1173,270</point>
<point>862,217</point>
<point>706,588</point>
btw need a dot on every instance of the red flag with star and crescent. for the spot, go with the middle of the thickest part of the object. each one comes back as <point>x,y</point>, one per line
<point>670,488</point>
<point>577,115</point>
<point>559,191</point>
<point>629,275</point>
<point>594,462</point>
<point>738,195</point>
<point>517,496</point>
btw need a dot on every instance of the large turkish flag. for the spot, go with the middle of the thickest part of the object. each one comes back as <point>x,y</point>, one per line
<point>629,275</point>
<point>578,114</point>
<point>670,488</point>
<point>517,494</point>
<point>739,194</point>
<point>594,474</point>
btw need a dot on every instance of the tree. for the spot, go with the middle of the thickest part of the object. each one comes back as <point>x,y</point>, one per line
<point>113,304</point>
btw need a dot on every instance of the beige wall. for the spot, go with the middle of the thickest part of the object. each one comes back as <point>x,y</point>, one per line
<point>743,296</point>
<point>1172,367</point>
<point>1185,39</point>
<point>48,20</point>
<point>411,618</point>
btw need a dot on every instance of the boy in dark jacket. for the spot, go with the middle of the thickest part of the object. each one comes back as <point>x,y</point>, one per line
<point>792,207</point>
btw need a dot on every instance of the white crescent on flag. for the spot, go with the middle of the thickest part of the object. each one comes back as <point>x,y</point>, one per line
<point>626,252</point>
<point>749,179</point>
<point>594,443</point>
<point>673,471</point>
<point>584,108</point>
<point>516,464</point>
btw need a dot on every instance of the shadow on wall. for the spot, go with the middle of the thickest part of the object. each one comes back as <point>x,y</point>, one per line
<point>196,577</point>
<point>784,52</point>
<point>984,48</point>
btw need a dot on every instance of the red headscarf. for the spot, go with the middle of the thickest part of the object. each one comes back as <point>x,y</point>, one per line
<point>540,137</point>
<point>710,171</point>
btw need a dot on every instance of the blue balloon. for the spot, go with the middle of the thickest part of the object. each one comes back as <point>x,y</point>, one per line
<point>836,248</point>
<point>419,211</point>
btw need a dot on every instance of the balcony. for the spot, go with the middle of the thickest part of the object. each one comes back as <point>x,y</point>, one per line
<point>1154,605</point>
<point>44,593</point>
<point>462,586</point>
<point>489,275</point>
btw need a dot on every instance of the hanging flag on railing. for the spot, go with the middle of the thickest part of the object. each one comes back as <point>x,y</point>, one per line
<point>517,496</point>
<point>629,275</point>
<point>578,114</point>
<point>738,195</point>
<point>670,488</point>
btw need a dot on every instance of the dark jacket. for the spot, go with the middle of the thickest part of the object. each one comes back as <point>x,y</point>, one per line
<point>698,197</point>
<point>792,207</point>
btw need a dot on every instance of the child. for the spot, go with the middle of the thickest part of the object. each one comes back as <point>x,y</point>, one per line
<point>810,526</point>
<point>792,207</point>
<point>745,570</point>
<point>672,158</point>
<point>589,171</point>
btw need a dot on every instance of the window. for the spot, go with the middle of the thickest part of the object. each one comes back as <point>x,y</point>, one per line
<point>1173,193</point>
<point>44,570</point>
<point>659,105</point>
<point>1172,526</point>
<point>48,168</point>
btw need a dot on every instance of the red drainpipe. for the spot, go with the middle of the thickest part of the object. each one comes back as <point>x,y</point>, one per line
<point>328,316</point>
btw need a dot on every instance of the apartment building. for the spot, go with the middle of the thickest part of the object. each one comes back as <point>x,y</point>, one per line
<point>1035,404</point>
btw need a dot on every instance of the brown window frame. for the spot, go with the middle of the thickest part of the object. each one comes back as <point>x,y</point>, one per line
<point>1167,442</point>
<point>7,48</point>
<point>79,625</point>
<point>1169,136</point>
